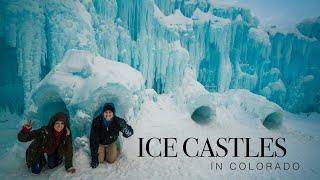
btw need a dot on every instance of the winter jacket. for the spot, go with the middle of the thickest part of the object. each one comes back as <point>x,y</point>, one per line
<point>101,134</point>
<point>43,140</point>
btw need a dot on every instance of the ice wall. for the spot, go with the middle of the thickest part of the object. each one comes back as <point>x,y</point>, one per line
<point>161,39</point>
<point>293,80</point>
<point>41,32</point>
<point>230,51</point>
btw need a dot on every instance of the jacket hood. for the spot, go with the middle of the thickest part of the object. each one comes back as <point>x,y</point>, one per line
<point>61,117</point>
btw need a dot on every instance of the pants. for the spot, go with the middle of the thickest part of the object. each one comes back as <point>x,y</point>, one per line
<point>107,152</point>
<point>53,161</point>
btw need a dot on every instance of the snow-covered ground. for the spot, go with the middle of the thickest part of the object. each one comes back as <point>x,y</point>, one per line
<point>160,116</point>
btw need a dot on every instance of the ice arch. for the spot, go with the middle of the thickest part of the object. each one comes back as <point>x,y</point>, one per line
<point>80,85</point>
<point>48,102</point>
<point>201,104</point>
<point>269,114</point>
<point>195,99</point>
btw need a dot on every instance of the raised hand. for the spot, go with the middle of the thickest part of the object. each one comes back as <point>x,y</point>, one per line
<point>28,125</point>
<point>127,131</point>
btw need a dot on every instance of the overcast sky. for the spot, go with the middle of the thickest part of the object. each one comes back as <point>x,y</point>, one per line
<point>282,13</point>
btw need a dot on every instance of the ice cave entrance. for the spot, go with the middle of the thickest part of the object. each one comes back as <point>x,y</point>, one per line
<point>48,109</point>
<point>202,115</point>
<point>273,121</point>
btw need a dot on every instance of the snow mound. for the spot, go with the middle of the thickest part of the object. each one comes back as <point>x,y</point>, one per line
<point>193,98</point>
<point>81,84</point>
<point>269,113</point>
<point>202,105</point>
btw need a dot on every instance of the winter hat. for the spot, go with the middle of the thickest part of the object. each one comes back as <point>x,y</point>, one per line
<point>109,106</point>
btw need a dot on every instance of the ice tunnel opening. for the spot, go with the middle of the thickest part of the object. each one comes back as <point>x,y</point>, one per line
<point>202,115</point>
<point>273,121</point>
<point>47,110</point>
<point>48,102</point>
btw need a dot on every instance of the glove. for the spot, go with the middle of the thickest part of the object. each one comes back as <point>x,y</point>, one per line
<point>94,164</point>
<point>128,131</point>
<point>71,170</point>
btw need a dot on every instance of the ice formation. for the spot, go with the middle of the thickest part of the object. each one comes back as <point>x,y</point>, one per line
<point>193,65</point>
<point>269,114</point>
<point>194,99</point>
<point>310,28</point>
<point>80,85</point>
<point>224,44</point>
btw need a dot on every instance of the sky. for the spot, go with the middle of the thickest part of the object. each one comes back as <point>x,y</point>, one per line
<point>282,13</point>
